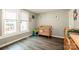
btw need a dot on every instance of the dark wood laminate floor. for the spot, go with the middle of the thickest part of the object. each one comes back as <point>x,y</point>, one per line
<point>37,43</point>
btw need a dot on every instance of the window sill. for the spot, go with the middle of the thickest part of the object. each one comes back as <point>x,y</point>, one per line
<point>13,34</point>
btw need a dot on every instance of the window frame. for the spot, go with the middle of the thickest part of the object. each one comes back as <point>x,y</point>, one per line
<point>4,19</point>
<point>18,22</point>
<point>27,21</point>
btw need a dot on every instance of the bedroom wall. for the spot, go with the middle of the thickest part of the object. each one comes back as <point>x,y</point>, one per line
<point>76,22</point>
<point>33,22</point>
<point>0,24</point>
<point>58,19</point>
<point>72,23</point>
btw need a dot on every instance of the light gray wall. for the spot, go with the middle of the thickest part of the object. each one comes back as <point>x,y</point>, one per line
<point>0,22</point>
<point>33,22</point>
<point>58,20</point>
<point>76,22</point>
<point>72,23</point>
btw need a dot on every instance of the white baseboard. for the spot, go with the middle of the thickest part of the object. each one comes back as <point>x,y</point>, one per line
<point>14,41</point>
<point>57,36</point>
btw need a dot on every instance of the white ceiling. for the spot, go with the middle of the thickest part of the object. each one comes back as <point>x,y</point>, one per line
<point>46,10</point>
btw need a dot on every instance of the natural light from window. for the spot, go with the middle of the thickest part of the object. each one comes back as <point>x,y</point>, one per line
<point>14,17</point>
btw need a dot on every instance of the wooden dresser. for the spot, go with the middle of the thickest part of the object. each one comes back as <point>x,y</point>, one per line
<point>45,30</point>
<point>71,44</point>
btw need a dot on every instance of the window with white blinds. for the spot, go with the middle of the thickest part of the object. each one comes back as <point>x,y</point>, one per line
<point>14,17</point>
<point>24,21</point>
<point>9,20</point>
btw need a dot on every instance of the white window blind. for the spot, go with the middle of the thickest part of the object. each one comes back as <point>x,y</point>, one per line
<point>24,21</point>
<point>9,17</point>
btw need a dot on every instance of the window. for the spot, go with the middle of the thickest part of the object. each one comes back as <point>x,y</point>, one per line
<point>9,21</point>
<point>24,21</point>
<point>15,20</point>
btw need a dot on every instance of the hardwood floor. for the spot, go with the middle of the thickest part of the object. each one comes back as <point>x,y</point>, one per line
<point>37,43</point>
